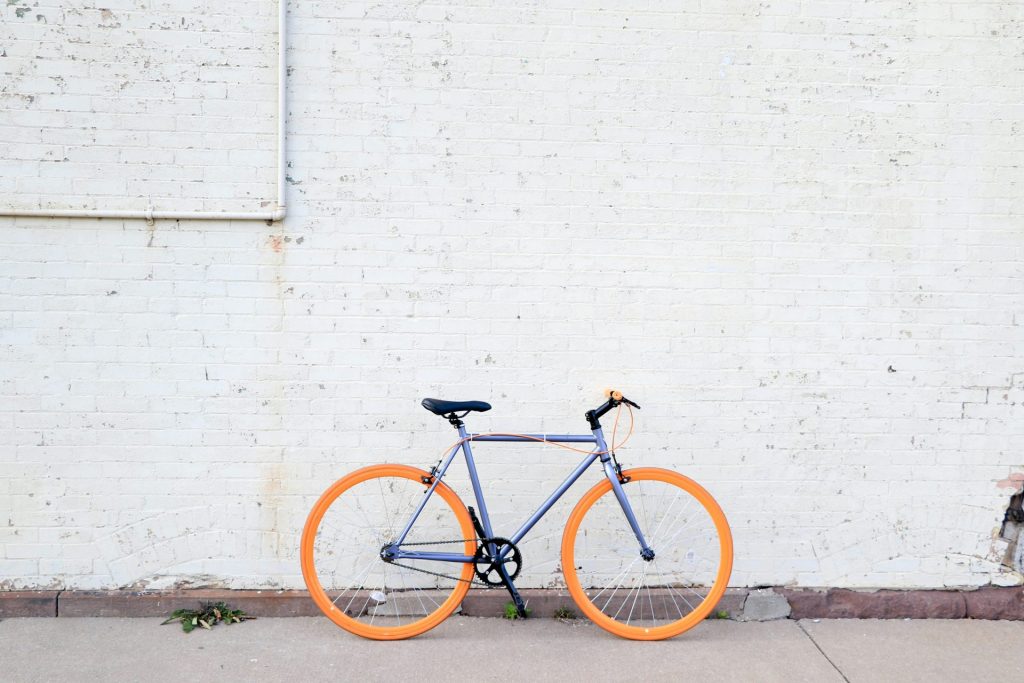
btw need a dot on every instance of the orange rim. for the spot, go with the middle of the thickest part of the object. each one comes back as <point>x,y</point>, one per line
<point>317,592</point>
<point>640,632</point>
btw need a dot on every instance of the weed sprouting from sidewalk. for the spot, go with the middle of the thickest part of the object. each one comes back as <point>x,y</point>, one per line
<point>511,612</point>
<point>207,616</point>
<point>564,614</point>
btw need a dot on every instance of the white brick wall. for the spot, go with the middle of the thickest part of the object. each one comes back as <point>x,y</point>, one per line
<point>790,230</point>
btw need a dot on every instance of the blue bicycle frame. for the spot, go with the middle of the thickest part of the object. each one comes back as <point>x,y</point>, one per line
<point>601,451</point>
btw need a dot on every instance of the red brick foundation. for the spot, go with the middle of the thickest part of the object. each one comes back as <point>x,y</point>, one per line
<point>989,602</point>
<point>28,604</point>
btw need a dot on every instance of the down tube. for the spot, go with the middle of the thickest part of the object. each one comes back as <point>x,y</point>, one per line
<point>552,499</point>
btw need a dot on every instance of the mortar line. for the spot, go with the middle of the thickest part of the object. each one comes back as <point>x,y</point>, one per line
<point>800,624</point>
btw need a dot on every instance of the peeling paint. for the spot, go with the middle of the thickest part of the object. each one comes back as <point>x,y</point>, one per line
<point>1015,481</point>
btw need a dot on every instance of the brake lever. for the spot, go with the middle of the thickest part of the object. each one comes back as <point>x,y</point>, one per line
<point>615,397</point>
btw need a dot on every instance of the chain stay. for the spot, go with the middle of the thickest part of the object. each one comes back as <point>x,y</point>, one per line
<point>443,576</point>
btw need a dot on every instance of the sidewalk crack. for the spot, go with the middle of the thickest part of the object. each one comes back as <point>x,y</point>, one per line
<point>800,623</point>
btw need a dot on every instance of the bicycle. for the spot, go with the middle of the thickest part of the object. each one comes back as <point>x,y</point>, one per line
<point>374,557</point>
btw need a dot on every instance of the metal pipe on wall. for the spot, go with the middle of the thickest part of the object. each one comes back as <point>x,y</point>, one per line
<point>276,214</point>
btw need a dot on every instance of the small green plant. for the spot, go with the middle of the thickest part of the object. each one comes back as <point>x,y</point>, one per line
<point>564,613</point>
<point>511,612</point>
<point>206,616</point>
<point>722,614</point>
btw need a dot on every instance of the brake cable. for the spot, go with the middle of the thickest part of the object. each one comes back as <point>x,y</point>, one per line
<point>530,437</point>
<point>427,480</point>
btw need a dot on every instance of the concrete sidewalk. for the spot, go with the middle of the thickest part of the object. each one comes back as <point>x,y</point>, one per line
<point>466,648</point>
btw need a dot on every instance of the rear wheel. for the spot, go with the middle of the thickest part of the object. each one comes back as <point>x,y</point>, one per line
<point>632,597</point>
<point>342,544</point>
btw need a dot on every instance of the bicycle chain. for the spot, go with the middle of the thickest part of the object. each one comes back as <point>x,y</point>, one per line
<point>443,576</point>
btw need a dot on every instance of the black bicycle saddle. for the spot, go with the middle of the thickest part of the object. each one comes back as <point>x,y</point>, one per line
<point>439,407</point>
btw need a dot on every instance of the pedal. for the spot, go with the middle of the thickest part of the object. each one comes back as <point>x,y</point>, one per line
<point>517,599</point>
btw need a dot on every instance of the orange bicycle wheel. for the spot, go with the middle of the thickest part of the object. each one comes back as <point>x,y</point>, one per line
<point>636,598</point>
<point>341,553</point>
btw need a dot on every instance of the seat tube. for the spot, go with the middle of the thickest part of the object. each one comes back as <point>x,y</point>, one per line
<point>474,478</point>
<point>620,494</point>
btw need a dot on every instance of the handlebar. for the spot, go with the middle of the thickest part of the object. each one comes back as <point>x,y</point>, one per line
<point>617,398</point>
<point>614,399</point>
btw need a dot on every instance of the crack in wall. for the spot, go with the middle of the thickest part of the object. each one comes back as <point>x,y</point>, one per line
<point>1010,386</point>
<point>1013,532</point>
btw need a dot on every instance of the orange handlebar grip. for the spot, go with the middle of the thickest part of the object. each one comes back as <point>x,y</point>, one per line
<point>612,393</point>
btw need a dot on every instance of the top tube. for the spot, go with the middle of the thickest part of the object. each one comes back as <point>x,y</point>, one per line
<point>536,438</point>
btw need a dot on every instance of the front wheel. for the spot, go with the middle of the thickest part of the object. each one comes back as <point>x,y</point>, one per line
<point>343,546</point>
<point>641,599</point>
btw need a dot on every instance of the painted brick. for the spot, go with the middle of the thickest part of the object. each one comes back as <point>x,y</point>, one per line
<point>792,233</point>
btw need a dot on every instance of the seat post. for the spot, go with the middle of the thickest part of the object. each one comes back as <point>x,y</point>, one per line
<point>455,420</point>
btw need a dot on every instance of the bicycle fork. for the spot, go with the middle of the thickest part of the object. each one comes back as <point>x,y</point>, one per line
<point>613,471</point>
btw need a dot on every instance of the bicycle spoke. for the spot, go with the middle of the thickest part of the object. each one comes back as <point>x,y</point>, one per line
<point>420,594</point>
<point>643,506</point>
<point>668,592</point>
<point>657,529</point>
<point>688,524</point>
<point>380,590</point>
<point>681,512</point>
<point>620,576</point>
<point>681,597</point>
<point>639,590</point>
<point>355,591</point>
<point>384,502</point>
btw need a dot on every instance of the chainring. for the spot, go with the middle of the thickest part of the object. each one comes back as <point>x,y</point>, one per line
<point>486,566</point>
